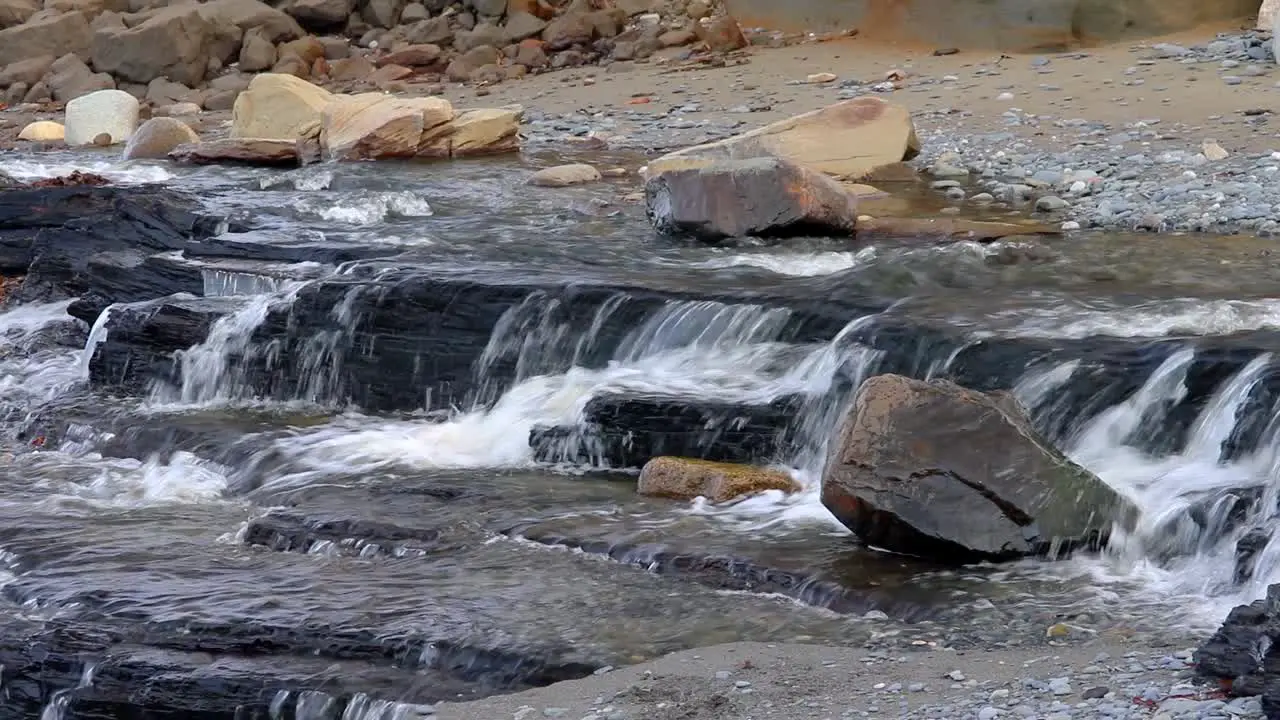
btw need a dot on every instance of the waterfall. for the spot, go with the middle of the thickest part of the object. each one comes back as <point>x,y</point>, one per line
<point>215,371</point>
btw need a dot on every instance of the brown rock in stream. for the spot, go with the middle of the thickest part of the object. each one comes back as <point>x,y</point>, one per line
<point>238,151</point>
<point>688,478</point>
<point>762,197</point>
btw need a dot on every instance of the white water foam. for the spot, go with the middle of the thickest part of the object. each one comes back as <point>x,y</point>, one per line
<point>1168,560</point>
<point>120,172</point>
<point>1182,316</point>
<point>367,208</point>
<point>98,482</point>
<point>797,264</point>
<point>30,376</point>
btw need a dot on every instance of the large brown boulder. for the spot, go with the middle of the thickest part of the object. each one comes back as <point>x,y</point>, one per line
<point>932,469</point>
<point>176,43</point>
<point>762,197</point>
<point>848,139</point>
<point>54,35</point>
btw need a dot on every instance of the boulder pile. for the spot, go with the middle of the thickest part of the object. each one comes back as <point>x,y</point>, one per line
<point>284,120</point>
<point>204,53</point>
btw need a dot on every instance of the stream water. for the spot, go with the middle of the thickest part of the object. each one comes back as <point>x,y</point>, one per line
<point>430,514</point>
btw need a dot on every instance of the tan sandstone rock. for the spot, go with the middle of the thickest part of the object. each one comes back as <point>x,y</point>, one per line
<point>484,131</point>
<point>43,131</point>
<point>687,478</point>
<point>374,125</point>
<point>277,106</point>
<point>16,12</point>
<point>848,140</point>
<point>158,136</point>
<point>565,175</point>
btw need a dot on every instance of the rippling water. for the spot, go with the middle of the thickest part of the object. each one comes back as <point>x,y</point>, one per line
<point>146,507</point>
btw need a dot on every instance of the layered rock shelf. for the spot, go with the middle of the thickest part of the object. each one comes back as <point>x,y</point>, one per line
<point>392,333</point>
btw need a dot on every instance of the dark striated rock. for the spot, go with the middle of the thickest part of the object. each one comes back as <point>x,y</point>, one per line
<point>143,338</point>
<point>761,197</point>
<point>215,672</point>
<point>1244,654</point>
<point>60,237</point>
<point>935,470</point>
<point>621,431</point>
<point>291,532</point>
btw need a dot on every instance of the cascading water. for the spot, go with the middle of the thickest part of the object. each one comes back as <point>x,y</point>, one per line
<point>215,370</point>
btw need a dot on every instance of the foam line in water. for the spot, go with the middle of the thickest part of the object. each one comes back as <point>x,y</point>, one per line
<point>120,172</point>
<point>796,264</point>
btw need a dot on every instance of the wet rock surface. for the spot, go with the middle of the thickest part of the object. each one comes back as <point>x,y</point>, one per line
<point>416,344</point>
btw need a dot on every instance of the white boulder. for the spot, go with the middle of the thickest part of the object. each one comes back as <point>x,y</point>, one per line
<point>113,112</point>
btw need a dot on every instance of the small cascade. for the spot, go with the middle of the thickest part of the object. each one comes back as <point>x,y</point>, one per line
<point>537,337</point>
<point>97,335</point>
<point>227,283</point>
<point>1117,426</point>
<point>701,325</point>
<point>363,707</point>
<point>1214,426</point>
<point>56,709</point>
<point>322,353</point>
<point>216,369</point>
<point>543,335</point>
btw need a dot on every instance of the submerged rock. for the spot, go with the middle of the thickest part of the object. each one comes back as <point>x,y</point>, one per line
<point>761,197</point>
<point>947,229</point>
<point>687,478</point>
<point>932,469</point>
<point>565,175</point>
<point>848,139</point>
<point>621,431</point>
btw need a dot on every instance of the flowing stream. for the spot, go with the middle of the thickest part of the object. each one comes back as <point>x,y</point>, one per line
<point>208,505</point>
